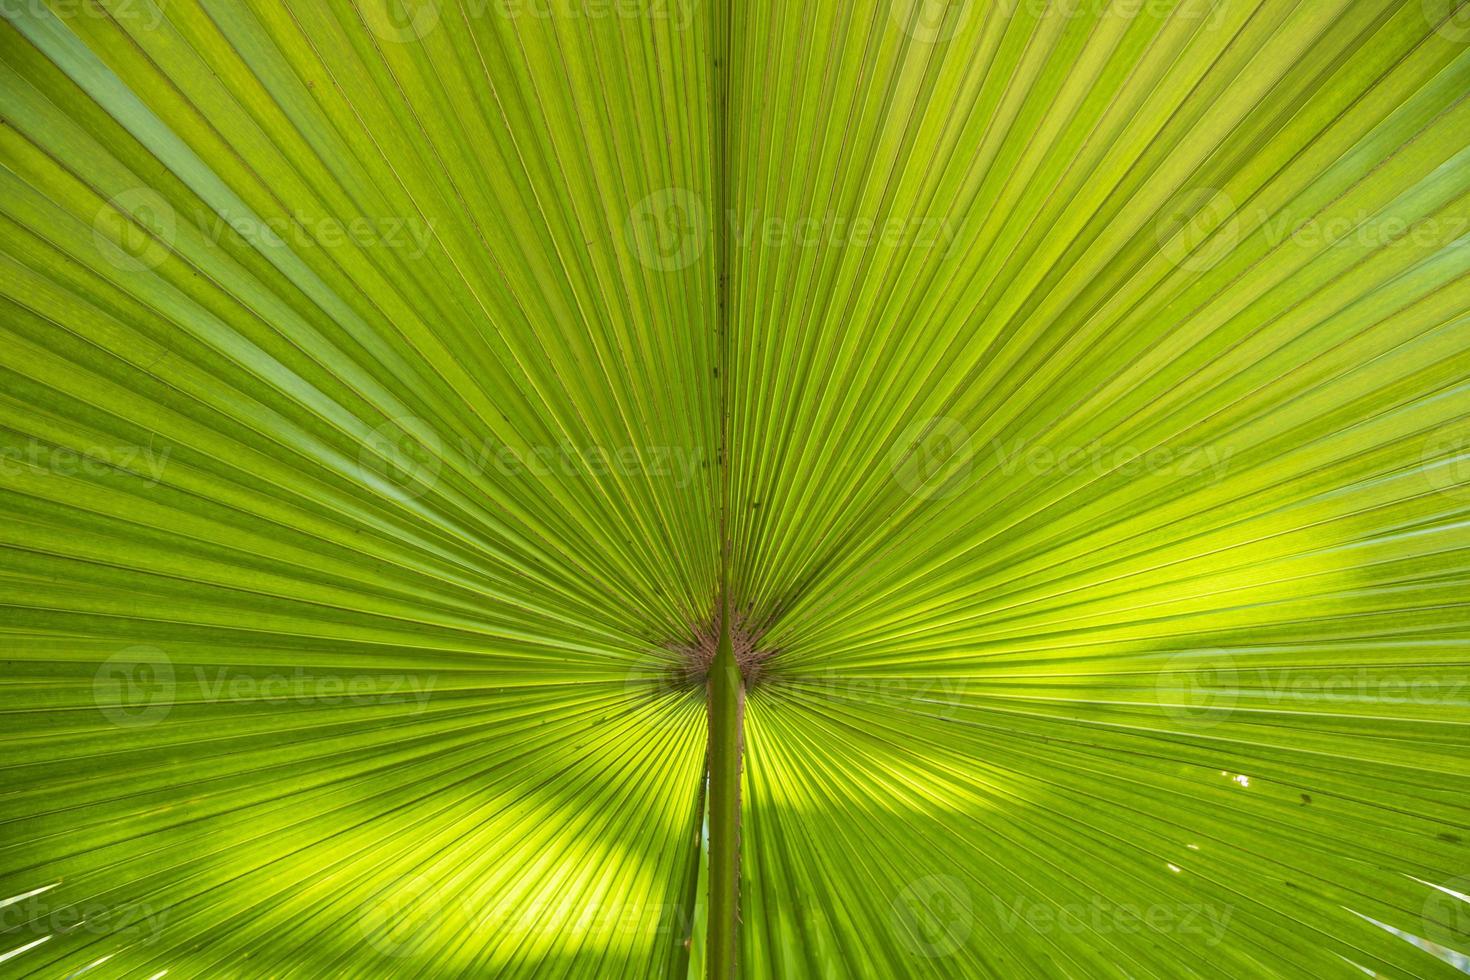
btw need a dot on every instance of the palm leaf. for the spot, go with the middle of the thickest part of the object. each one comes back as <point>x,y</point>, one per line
<point>1081,388</point>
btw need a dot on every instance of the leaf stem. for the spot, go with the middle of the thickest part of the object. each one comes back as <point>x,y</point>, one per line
<point>726,737</point>
<point>726,686</point>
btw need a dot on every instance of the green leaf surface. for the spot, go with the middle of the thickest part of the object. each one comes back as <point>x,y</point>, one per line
<point>1071,398</point>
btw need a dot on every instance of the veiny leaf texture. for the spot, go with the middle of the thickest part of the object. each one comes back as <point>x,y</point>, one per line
<point>1070,397</point>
